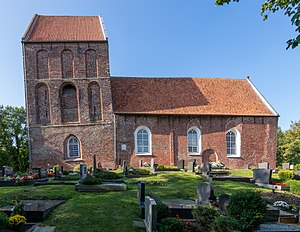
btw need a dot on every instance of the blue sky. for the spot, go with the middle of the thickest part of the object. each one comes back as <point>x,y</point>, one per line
<point>189,38</point>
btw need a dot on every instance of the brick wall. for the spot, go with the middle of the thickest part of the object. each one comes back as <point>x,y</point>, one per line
<point>55,113</point>
<point>169,139</point>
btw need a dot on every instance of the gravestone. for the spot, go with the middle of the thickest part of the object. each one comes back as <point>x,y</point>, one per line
<point>285,166</point>
<point>246,166</point>
<point>99,165</point>
<point>223,202</point>
<point>125,167</point>
<point>180,164</point>
<point>140,163</point>
<point>55,171</point>
<point>191,166</point>
<point>264,165</point>
<point>205,192</point>
<point>291,167</point>
<point>1,172</point>
<point>141,198</point>
<point>62,169</point>
<point>152,165</point>
<point>8,171</point>
<point>262,176</point>
<point>150,220</point>
<point>44,173</point>
<point>83,171</point>
<point>205,168</point>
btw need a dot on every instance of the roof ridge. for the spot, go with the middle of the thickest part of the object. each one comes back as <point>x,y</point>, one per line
<point>179,77</point>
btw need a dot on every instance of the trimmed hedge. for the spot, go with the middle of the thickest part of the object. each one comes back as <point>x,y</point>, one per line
<point>294,186</point>
<point>286,175</point>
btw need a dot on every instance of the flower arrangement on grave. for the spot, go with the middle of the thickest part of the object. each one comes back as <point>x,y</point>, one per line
<point>217,164</point>
<point>281,204</point>
<point>16,221</point>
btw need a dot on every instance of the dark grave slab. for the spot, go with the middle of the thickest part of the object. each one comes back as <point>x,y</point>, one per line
<point>36,210</point>
<point>262,176</point>
<point>180,207</point>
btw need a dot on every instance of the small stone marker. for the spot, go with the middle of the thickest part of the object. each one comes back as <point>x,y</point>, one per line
<point>223,202</point>
<point>83,171</point>
<point>264,165</point>
<point>141,198</point>
<point>205,193</point>
<point>150,220</point>
<point>43,173</point>
<point>246,166</point>
<point>285,166</point>
<point>8,171</point>
<point>205,168</point>
<point>152,165</point>
<point>291,167</point>
<point>140,163</point>
<point>180,164</point>
<point>262,176</point>
<point>191,166</point>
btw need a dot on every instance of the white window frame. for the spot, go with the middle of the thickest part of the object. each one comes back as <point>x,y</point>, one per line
<point>149,141</point>
<point>68,148</point>
<point>237,142</point>
<point>199,148</point>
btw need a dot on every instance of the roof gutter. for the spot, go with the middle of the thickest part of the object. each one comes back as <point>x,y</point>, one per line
<point>262,98</point>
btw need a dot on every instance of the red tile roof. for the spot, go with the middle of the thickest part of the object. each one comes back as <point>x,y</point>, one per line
<point>188,96</point>
<point>65,28</point>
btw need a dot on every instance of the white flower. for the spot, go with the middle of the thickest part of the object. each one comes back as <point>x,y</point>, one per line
<point>281,204</point>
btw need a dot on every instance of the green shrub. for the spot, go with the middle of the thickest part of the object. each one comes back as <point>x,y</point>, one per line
<point>224,224</point>
<point>294,186</point>
<point>107,175</point>
<point>161,166</point>
<point>297,167</point>
<point>163,211</point>
<point>91,180</point>
<point>205,215</point>
<point>143,172</point>
<point>286,175</point>
<point>76,168</point>
<point>171,224</point>
<point>248,208</point>
<point>3,220</point>
<point>19,209</point>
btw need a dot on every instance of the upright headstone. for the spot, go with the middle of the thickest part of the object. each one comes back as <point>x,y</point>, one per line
<point>125,167</point>
<point>83,171</point>
<point>285,166</point>
<point>264,165</point>
<point>223,202</point>
<point>205,168</point>
<point>180,164</point>
<point>246,166</point>
<point>191,166</point>
<point>55,171</point>
<point>262,176</point>
<point>140,163</point>
<point>141,198</point>
<point>8,171</point>
<point>152,165</point>
<point>39,171</point>
<point>44,173</point>
<point>99,165</point>
<point>150,220</point>
<point>205,192</point>
<point>94,164</point>
<point>291,167</point>
<point>62,169</point>
<point>1,172</point>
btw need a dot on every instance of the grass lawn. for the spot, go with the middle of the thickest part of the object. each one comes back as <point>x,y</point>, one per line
<point>113,211</point>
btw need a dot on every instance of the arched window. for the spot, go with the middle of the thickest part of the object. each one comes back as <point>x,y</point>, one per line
<point>73,147</point>
<point>194,141</point>
<point>94,102</point>
<point>142,136</point>
<point>42,104</point>
<point>233,143</point>
<point>69,105</point>
<point>91,63</point>
<point>42,64</point>
<point>67,64</point>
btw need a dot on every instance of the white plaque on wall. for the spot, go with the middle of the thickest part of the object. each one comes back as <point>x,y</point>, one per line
<point>123,147</point>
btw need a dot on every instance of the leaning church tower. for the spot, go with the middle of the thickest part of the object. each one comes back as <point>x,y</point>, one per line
<point>68,92</point>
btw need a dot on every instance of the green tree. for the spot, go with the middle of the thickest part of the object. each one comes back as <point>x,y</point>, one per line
<point>13,138</point>
<point>291,144</point>
<point>291,8</point>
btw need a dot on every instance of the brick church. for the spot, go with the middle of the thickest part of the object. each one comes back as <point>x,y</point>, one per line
<point>76,110</point>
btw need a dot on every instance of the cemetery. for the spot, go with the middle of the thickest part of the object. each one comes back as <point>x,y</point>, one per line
<point>160,199</point>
